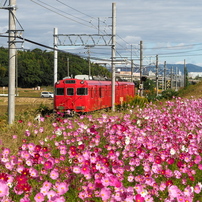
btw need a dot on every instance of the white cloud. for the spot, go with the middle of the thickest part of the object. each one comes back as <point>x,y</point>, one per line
<point>173,24</point>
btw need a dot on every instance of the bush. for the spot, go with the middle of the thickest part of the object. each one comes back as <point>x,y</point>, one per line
<point>133,101</point>
<point>169,94</point>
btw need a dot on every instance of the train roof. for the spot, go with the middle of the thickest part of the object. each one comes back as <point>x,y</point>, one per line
<point>95,82</point>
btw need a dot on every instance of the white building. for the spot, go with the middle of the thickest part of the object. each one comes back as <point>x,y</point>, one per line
<point>194,74</point>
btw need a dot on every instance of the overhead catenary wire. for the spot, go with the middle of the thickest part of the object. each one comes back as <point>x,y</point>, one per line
<point>74,9</point>
<point>64,12</point>
<point>118,44</point>
<point>170,54</point>
<point>74,16</point>
<point>61,14</point>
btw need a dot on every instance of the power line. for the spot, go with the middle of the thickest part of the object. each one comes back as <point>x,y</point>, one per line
<point>61,14</point>
<point>64,12</point>
<point>74,9</point>
<point>173,47</point>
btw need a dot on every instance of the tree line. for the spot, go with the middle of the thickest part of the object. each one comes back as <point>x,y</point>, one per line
<point>36,67</point>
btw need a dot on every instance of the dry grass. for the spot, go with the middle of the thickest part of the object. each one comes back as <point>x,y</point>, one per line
<point>192,91</point>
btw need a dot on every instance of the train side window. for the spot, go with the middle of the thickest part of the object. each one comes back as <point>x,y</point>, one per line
<point>59,91</point>
<point>70,91</point>
<point>82,91</point>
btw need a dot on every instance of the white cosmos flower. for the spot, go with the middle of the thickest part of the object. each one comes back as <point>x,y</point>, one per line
<point>139,122</point>
<point>79,143</point>
<point>127,140</point>
<point>172,151</point>
<point>58,132</point>
<point>144,193</point>
<point>183,148</point>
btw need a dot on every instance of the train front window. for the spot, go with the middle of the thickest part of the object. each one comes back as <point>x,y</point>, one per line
<point>82,91</point>
<point>70,91</point>
<point>59,91</point>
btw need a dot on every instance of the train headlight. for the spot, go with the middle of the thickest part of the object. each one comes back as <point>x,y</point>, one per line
<point>58,82</point>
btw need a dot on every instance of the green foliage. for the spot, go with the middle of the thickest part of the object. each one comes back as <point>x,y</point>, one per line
<point>35,67</point>
<point>133,102</point>
<point>2,71</point>
<point>168,94</point>
<point>149,85</point>
<point>44,110</point>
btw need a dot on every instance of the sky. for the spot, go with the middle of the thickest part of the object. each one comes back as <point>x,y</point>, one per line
<point>171,29</point>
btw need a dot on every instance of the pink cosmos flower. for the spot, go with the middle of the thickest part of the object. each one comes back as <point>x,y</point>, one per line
<point>48,165</point>
<point>39,197</point>
<point>4,190</point>
<point>6,152</point>
<point>105,181</point>
<point>197,189</point>
<point>24,199</point>
<point>130,178</point>
<point>174,191</point>
<point>114,181</point>
<point>33,172</point>
<point>51,194</point>
<point>85,170</point>
<point>54,174</point>
<point>139,198</point>
<point>76,169</point>
<point>59,199</point>
<point>105,194</point>
<point>197,159</point>
<point>200,166</point>
<point>62,188</point>
<point>15,136</point>
<point>47,185</point>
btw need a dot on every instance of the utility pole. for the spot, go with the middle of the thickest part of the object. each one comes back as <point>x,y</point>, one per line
<point>113,52</point>
<point>157,79</point>
<point>141,61</point>
<point>68,67</point>
<point>131,63</point>
<point>171,78</point>
<point>89,64</point>
<point>12,61</point>
<point>185,74</point>
<point>55,43</point>
<point>176,70</point>
<point>164,75</point>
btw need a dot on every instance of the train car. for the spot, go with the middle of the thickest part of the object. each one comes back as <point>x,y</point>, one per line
<point>81,95</point>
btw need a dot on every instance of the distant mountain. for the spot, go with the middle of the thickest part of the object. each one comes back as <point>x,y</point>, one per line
<point>190,67</point>
<point>180,67</point>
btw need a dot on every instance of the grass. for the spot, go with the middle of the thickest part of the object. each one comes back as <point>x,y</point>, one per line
<point>28,103</point>
<point>191,91</point>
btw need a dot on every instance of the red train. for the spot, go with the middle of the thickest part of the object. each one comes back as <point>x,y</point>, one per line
<point>81,95</point>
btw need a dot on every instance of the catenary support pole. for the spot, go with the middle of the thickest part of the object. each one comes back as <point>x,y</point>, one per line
<point>68,67</point>
<point>141,64</point>
<point>171,78</point>
<point>113,48</point>
<point>157,76</point>
<point>12,61</point>
<point>55,43</point>
<point>185,74</point>
<point>164,75</point>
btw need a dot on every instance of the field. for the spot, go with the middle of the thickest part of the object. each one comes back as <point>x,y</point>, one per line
<point>150,153</point>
